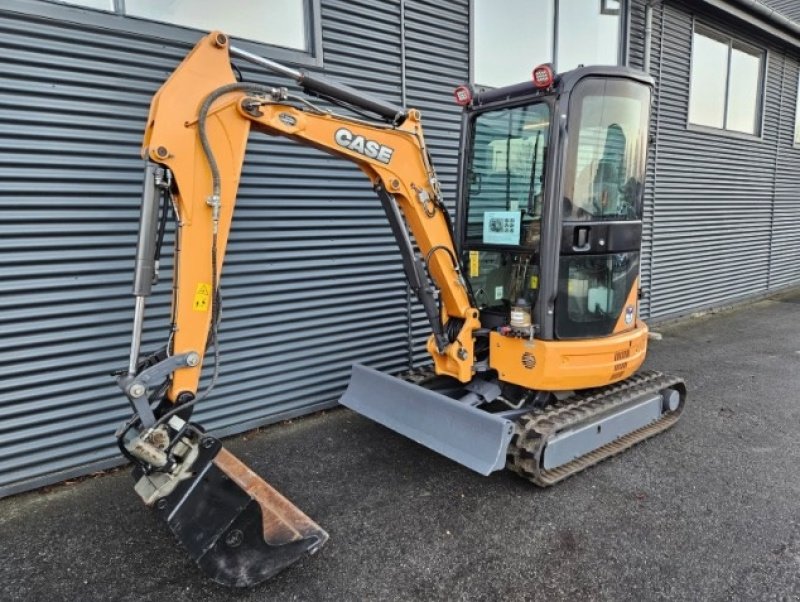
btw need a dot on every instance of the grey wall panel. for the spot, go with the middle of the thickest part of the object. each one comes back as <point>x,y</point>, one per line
<point>787,8</point>
<point>636,42</point>
<point>711,193</point>
<point>785,242</point>
<point>312,281</point>
<point>437,60</point>
<point>636,34</point>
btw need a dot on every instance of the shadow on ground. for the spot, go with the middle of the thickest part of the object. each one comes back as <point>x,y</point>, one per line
<point>707,511</point>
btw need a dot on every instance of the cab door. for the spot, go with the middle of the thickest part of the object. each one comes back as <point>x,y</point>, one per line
<point>601,213</point>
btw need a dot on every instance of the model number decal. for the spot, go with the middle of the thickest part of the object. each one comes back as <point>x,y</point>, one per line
<point>359,144</point>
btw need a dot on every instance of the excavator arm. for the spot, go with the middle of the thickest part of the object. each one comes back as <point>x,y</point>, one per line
<point>198,129</point>
<point>194,146</point>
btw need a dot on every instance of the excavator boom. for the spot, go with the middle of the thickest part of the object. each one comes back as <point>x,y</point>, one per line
<point>238,528</point>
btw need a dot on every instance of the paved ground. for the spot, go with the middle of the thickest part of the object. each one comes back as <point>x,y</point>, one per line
<point>707,511</point>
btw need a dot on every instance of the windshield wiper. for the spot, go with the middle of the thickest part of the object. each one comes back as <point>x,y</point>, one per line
<point>531,190</point>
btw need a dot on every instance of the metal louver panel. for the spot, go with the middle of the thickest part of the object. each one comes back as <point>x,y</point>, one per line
<point>712,195</point>
<point>312,281</point>
<point>787,8</point>
<point>437,60</point>
<point>636,59</point>
<point>784,267</point>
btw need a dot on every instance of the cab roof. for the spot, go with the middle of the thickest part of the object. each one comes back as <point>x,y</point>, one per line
<point>564,83</point>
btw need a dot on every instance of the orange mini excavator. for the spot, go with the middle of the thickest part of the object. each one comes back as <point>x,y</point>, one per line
<point>532,295</point>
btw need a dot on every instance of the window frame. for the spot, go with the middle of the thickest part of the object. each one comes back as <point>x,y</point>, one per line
<point>117,21</point>
<point>796,134</point>
<point>622,46</point>
<point>732,41</point>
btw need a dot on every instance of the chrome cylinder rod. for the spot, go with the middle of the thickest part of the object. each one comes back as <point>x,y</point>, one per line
<point>271,65</point>
<point>136,339</point>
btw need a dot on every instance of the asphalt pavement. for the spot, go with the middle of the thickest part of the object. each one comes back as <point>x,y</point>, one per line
<point>709,510</point>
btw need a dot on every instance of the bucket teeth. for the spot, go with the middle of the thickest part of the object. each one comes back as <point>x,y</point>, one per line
<point>238,529</point>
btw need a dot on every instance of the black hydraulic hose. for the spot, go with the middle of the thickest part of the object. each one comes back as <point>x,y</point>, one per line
<point>162,226</point>
<point>128,455</point>
<point>456,264</point>
<point>214,340</point>
<point>453,325</point>
<point>201,124</point>
<point>441,248</point>
<point>120,436</point>
<point>216,188</point>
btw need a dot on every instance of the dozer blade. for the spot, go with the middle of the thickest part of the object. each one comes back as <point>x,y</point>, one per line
<point>238,529</point>
<point>470,436</point>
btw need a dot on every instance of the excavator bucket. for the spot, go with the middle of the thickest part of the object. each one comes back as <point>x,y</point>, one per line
<point>239,530</point>
<point>477,439</point>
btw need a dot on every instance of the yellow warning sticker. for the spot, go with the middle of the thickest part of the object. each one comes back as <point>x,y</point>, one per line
<point>534,281</point>
<point>474,264</point>
<point>202,297</point>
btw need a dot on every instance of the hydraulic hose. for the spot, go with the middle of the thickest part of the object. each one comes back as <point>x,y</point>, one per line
<point>214,201</point>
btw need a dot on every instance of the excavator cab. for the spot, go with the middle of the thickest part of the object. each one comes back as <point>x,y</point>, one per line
<point>550,203</point>
<point>548,230</point>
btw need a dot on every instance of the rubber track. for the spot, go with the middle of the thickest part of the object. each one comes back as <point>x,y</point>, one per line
<point>534,430</point>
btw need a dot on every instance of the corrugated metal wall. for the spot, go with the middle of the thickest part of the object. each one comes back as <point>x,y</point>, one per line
<point>636,59</point>
<point>719,205</point>
<point>787,8</point>
<point>312,281</point>
<point>437,60</point>
<point>784,266</point>
<point>311,260</point>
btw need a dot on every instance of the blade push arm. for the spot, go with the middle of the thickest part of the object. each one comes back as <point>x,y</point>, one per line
<point>198,128</point>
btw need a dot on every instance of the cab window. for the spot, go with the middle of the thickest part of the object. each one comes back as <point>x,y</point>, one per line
<point>607,151</point>
<point>505,176</point>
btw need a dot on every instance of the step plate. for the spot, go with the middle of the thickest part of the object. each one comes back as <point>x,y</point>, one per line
<point>467,435</point>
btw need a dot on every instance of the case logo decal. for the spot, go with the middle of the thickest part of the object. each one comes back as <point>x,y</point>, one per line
<point>369,148</point>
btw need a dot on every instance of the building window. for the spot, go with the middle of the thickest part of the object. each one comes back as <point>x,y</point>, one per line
<point>726,83</point>
<point>98,4</point>
<point>797,118</point>
<point>278,22</point>
<point>283,23</point>
<point>509,43</point>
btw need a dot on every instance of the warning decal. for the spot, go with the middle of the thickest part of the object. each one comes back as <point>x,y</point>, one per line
<point>474,264</point>
<point>202,297</point>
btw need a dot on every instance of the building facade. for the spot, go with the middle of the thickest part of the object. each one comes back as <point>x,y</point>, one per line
<point>312,281</point>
